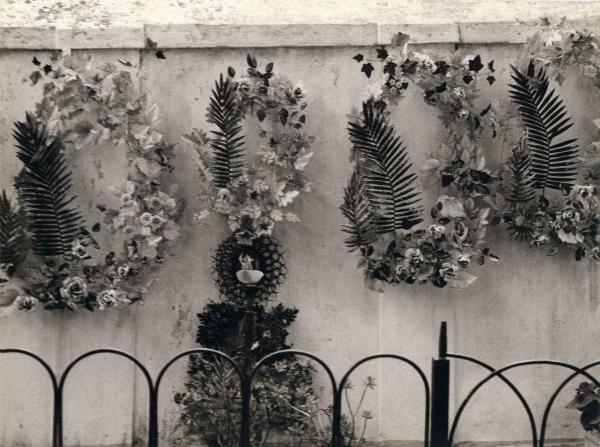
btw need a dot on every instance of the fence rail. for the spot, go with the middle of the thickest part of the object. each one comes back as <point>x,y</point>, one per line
<point>439,427</point>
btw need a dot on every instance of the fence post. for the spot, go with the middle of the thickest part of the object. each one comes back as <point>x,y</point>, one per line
<point>246,386</point>
<point>440,396</point>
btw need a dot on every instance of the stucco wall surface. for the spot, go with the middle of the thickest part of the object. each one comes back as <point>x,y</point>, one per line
<point>527,306</point>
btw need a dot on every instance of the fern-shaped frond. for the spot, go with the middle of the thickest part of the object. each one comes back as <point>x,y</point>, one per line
<point>390,181</point>
<point>360,226</point>
<point>544,116</point>
<point>44,188</point>
<point>12,234</point>
<point>228,144</point>
<point>521,186</point>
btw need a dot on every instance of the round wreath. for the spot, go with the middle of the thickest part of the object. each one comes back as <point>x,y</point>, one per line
<point>267,254</point>
<point>547,204</point>
<point>46,251</point>
<point>382,199</point>
<point>253,191</point>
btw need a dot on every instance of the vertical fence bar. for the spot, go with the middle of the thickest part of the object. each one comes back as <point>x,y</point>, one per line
<point>246,385</point>
<point>440,396</point>
<point>153,418</point>
<point>57,421</point>
<point>337,438</point>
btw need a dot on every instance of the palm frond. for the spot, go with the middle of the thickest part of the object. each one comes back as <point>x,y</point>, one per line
<point>521,186</point>
<point>228,144</point>
<point>12,234</point>
<point>389,179</point>
<point>356,208</point>
<point>44,188</point>
<point>544,116</point>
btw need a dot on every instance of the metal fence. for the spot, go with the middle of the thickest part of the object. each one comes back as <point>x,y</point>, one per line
<point>439,427</point>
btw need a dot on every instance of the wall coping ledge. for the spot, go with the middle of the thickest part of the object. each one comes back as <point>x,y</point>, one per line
<point>73,24</point>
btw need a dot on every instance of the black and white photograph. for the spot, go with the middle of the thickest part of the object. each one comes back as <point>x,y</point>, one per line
<point>283,223</point>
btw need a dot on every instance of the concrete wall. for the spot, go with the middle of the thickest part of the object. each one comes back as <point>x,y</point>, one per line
<point>527,306</point>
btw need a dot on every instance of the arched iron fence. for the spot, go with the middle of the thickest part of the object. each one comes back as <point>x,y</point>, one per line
<point>439,427</point>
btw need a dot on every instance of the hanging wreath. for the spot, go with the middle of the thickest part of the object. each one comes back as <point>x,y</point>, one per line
<point>382,201</point>
<point>554,194</point>
<point>47,252</point>
<point>252,190</point>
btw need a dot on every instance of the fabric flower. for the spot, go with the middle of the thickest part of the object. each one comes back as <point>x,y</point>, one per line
<point>123,270</point>
<point>106,298</point>
<point>414,258</point>
<point>436,231</point>
<point>199,217</point>
<point>74,289</point>
<point>264,226</point>
<point>146,219</point>
<point>464,260</point>
<point>223,201</point>
<point>298,91</point>
<point>25,302</point>
<point>448,270</point>
<point>79,250</point>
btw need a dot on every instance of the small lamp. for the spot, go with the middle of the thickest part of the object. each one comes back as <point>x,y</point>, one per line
<point>247,274</point>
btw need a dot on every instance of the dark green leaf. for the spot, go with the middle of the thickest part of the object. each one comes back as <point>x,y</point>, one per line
<point>367,69</point>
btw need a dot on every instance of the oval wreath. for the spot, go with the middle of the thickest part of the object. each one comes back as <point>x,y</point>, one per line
<point>547,204</point>
<point>382,201</point>
<point>47,253</point>
<point>253,191</point>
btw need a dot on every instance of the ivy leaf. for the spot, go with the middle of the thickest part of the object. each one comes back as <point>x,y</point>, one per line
<point>400,39</point>
<point>96,227</point>
<point>367,69</point>
<point>491,66</point>
<point>151,44</point>
<point>491,79</point>
<point>467,78</point>
<point>441,88</point>
<point>47,68</point>
<point>36,61</point>
<point>579,253</point>
<point>269,67</point>
<point>441,68</point>
<point>390,67</point>
<point>475,64</point>
<point>447,180</point>
<point>409,67</point>
<point>231,72</point>
<point>160,54</point>
<point>358,58</point>
<point>251,60</point>
<point>283,116</point>
<point>35,77</point>
<point>382,53</point>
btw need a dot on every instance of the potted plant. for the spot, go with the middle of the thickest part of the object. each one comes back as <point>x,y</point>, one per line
<point>587,401</point>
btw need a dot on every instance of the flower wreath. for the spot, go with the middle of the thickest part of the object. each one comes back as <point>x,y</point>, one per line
<point>542,162</point>
<point>84,105</point>
<point>381,201</point>
<point>253,196</point>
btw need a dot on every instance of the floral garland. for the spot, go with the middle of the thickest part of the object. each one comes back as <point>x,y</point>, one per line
<point>442,252</point>
<point>255,196</point>
<point>84,105</point>
<point>570,218</point>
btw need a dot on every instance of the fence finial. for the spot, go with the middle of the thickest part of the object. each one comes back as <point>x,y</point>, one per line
<point>443,342</point>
